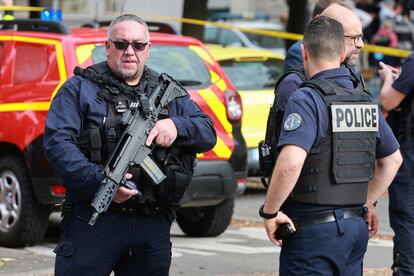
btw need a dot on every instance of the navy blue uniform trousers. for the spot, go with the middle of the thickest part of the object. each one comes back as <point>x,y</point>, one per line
<point>124,243</point>
<point>333,248</point>
<point>401,211</point>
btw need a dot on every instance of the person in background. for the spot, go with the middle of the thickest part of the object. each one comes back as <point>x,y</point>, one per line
<point>397,97</point>
<point>293,54</point>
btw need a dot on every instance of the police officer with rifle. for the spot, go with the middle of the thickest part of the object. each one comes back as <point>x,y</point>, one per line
<point>123,139</point>
<point>336,154</point>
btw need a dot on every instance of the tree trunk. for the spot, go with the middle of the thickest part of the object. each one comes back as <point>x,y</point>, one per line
<point>195,9</point>
<point>298,17</point>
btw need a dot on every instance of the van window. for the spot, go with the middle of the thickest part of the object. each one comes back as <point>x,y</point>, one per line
<point>28,55</point>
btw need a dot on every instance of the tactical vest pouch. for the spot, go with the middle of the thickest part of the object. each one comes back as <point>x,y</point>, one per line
<point>355,128</point>
<point>90,144</point>
<point>179,169</point>
<point>268,149</point>
<point>354,163</point>
<point>268,152</point>
<point>266,161</point>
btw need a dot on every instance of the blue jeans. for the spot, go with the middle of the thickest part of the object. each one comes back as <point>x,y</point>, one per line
<point>401,211</point>
<point>333,248</point>
<point>124,243</point>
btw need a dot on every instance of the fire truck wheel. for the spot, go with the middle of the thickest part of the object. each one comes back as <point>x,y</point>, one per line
<point>23,221</point>
<point>206,221</point>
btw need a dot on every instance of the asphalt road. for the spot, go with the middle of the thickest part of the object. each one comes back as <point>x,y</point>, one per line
<point>242,250</point>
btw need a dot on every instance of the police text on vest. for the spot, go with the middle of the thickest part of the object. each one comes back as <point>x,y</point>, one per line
<point>354,117</point>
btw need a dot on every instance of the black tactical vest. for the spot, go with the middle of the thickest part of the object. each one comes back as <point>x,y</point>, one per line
<point>337,170</point>
<point>267,148</point>
<point>98,143</point>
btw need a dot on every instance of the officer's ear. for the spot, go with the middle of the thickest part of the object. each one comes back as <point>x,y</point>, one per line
<point>107,48</point>
<point>344,54</point>
<point>148,49</point>
<point>304,52</point>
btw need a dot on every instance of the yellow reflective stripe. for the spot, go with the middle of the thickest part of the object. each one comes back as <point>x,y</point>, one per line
<point>20,8</point>
<point>214,76</point>
<point>84,52</point>
<point>202,53</point>
<point>280,34</point>
<point>5,37</point>
<point>221,149</point>
<point>37,106</point>
<point>386,50</point>
<point>217,106</point>
<point>292,36</point>
<point>221,84</point>
<point>200,155</point>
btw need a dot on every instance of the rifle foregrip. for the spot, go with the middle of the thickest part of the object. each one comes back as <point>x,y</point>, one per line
<point>103,198</point>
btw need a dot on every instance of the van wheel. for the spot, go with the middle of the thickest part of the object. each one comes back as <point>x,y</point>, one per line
<point>23,221</point>
<point>208,221</point>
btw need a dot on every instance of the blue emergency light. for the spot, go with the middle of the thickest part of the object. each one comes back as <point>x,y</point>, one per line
<point>51,15</point>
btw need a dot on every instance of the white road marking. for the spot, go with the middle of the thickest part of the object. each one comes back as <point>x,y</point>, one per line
<point>189,251</point>
<point>232,241</point>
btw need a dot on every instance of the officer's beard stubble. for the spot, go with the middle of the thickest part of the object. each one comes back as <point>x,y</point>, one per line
<point>127,76</point>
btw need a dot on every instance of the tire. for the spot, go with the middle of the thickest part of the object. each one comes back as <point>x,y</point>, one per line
<point>23,221</point>
<point>206,221</point>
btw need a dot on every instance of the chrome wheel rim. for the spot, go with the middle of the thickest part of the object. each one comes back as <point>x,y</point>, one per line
<point>10,200</point>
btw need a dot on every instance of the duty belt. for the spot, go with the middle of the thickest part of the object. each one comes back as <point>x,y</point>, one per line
<point>328,216</point>
<point>133,210</point>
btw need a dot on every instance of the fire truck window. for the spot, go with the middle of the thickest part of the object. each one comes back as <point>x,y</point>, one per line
<point>1,51</point>
<point>28,56</point>
<point>1,62</point>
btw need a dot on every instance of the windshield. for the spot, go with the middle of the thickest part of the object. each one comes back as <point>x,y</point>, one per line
<point>253,75</point>
<point>265,41</point>
<point>179,62</point>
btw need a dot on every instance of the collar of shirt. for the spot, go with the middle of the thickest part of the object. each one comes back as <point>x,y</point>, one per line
<point>340,76</point>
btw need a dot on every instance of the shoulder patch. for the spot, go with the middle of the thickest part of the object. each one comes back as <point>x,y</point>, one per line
<point>292,122</point>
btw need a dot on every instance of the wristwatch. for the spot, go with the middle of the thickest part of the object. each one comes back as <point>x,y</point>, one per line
<point>266,215</point>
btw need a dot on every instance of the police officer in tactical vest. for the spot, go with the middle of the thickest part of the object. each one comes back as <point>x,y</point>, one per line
<point>294,78</point>
<point>397,96</point>
<point>82,128</point>
<point>336,156</point>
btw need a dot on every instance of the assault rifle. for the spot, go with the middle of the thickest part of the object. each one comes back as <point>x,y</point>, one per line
<point>131,149</point>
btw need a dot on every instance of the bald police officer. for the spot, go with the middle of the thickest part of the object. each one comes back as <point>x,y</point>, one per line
<point>332,138</point>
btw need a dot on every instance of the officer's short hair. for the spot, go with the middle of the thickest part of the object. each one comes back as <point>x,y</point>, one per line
<point>324,38</point>
<point>128,17</point>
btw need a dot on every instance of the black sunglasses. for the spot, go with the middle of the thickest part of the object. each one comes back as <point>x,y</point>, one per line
<point>123,45</point>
